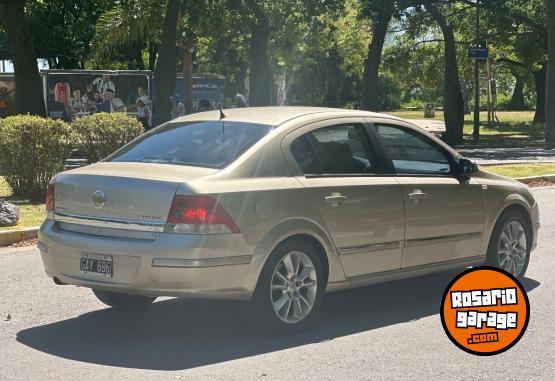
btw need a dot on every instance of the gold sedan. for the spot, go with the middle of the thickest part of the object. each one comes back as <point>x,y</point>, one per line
<point>276,206</point>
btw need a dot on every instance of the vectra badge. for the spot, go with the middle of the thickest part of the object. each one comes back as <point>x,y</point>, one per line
<point>98,199</point>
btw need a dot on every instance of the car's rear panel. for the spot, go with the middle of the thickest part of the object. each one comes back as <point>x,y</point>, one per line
<point>129,230</point>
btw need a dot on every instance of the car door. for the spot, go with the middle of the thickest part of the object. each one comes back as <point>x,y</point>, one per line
<point>443,213</point>
<point>344,182</point>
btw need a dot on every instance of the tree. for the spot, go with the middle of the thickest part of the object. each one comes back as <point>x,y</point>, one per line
<point>521,27</point>
<point>28,97</point>
<point>64,29</point>
<point>165,70</point>
<point>381,13</point>
<point>128,27</point>
<point>550,83</point>
<point>453,104</point>
<point>261,81</point>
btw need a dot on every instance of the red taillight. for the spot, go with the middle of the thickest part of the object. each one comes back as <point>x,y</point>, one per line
<point>50,201</point>
<point>199,215</point>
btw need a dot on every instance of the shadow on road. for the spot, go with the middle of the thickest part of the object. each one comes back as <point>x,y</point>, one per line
<point>177,334</point>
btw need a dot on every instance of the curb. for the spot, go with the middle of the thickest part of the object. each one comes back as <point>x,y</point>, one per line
<point>529,179</point>
<point>14,236</point>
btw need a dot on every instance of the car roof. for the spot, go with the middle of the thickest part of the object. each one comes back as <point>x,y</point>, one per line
<point>276,115</point>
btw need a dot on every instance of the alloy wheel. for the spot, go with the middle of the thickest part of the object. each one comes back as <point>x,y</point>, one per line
<point>294,286</point>
<point>512,248</point>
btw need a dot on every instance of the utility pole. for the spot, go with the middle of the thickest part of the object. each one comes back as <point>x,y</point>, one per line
<point>476,132</point>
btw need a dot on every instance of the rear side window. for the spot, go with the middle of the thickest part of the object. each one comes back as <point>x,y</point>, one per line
<point>342,149</point>
<point>213,144</point>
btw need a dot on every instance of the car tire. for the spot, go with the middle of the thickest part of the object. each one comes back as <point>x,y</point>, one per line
<point>288,302</point>
<point>510,244</point>
<point>123,302</point>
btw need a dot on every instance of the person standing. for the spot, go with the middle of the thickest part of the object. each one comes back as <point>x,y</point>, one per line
<point>143,112</point>
<point>178,108</point>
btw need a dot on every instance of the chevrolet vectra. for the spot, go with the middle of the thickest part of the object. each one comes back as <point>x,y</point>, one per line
<point>276,206</point>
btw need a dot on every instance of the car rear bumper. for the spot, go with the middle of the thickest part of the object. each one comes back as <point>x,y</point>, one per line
<point>209,266</point>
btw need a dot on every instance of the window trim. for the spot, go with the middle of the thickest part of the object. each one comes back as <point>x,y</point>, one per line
<point>450,158</point>
<point>375,151</point>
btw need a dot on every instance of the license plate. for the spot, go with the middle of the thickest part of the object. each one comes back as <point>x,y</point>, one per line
<point>101,265</point>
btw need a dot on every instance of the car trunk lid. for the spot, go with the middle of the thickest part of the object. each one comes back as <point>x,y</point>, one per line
<point>140,192</point>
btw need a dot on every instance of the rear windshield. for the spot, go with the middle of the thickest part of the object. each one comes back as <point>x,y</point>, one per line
<point>213,144</point>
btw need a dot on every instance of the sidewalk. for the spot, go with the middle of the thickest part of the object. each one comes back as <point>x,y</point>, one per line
<point>512,155</point>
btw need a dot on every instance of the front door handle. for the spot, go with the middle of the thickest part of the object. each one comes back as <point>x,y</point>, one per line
<point>335,199</point>
<point>417,195</point>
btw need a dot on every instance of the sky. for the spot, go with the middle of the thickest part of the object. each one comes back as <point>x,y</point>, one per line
<point>7,66</point>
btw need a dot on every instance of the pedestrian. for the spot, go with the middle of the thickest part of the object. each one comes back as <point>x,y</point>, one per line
<point>178,108</point>
<point>240,101</point>
<point>144,112</point>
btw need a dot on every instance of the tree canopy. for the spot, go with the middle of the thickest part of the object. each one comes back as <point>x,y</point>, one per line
<point>370,54</point>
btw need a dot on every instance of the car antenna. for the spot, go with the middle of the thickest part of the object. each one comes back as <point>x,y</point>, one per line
<point>222,115</point>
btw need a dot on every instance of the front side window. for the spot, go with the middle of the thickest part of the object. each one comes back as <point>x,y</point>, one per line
<point>212,144</point>
<point>341,149</point>
<point>411,152</point>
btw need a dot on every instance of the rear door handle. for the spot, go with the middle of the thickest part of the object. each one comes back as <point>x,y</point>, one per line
<point>417,195</point>
<point>335,199</point>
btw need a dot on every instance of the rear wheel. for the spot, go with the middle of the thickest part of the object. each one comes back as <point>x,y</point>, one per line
<point>289,291</point>
<point>123,301</point>
<point>510,244</point>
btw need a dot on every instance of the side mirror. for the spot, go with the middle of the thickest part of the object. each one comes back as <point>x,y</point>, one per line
<point>466,167</point>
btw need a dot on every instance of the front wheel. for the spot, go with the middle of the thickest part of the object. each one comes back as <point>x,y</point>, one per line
<point>123,301</point>
<point>510,244</point>
<point>289,291</point>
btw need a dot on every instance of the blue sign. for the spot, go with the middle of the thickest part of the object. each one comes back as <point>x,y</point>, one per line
<point>478,53</point>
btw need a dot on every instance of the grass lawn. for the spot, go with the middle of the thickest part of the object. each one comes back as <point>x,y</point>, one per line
<point>31,214</point>
<point>521,170</point>
<point>512,124</point>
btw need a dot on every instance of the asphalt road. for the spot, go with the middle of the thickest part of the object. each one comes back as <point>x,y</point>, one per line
<point>388,331</point>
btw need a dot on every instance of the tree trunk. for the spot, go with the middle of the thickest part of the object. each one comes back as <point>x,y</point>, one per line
<point>517,99</point>
<point>152,52</point>
<point>28,95</point>
<point>550,82</point>
<point>540,81</point>
<point>369,94</point>
<point>261,82</point>
<point>241,78</point>
<point>165,71</point>
<point>188,76</point>
<point>334,78</point>
<point>453,104</point>
<point>138,47</point>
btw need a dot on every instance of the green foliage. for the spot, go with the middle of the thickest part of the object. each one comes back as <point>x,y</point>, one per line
<point>99,135</point>
<point>389,97</point>
<point>352,34</point>
<point>32,150</point>
<point>127,26</point>
<point>64,29</point>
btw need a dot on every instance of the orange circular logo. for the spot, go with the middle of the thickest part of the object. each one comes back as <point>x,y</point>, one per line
<point>485,311</point>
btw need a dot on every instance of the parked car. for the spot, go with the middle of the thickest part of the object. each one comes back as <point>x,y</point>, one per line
<point>276,206</point>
